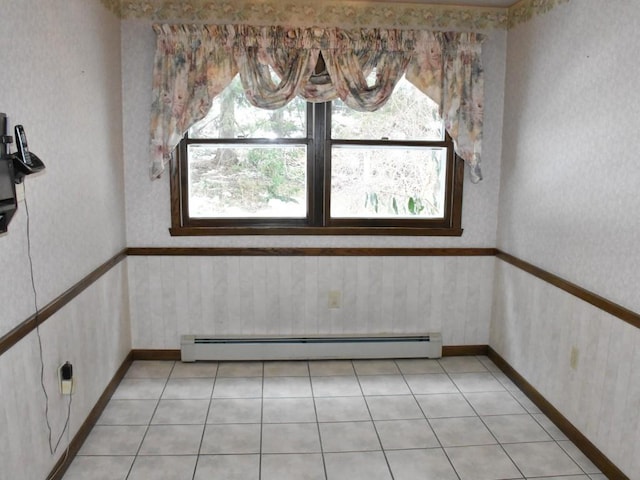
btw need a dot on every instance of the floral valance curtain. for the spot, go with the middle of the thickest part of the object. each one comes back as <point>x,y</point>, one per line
<point>194,63</point>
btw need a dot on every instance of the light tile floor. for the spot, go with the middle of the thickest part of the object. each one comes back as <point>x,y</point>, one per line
<point>457,418</point>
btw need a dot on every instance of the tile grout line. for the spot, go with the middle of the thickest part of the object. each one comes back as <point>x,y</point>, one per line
<point>427,418</point>
<point>261,425</point>
<point>446,372</point>
<point>206,417</point>
<point>135,458</point>
<point>487,426</point>
<point>375,428</point>
<point>315,409</point>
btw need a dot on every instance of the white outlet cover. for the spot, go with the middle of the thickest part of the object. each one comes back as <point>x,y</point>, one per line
<point>20,193</point>
<point>335,299</point>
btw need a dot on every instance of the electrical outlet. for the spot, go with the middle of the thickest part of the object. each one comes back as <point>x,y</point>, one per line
<point>335,299</point>
<point>573,358</point>
<point>65,377</point>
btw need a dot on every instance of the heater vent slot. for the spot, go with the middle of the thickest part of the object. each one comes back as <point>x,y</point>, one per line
<point>203,347</point>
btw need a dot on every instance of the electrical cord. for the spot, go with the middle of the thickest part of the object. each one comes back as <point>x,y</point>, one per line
<point>66,428</point>
<point>66,451</point>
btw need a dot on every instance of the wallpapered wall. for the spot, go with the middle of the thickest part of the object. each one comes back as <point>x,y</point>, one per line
<point>568,203</point>
<point>570,171</point>
<point>60,78</point>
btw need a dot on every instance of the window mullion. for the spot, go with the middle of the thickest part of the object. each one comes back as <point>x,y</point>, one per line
<point>326,161</point>
<point>317,167</point>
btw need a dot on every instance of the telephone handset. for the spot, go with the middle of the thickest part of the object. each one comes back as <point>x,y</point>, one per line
<point>23,148</point>
<point>25,162</point>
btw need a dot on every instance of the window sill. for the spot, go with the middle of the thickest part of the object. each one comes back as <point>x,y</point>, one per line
<point>391,231</point>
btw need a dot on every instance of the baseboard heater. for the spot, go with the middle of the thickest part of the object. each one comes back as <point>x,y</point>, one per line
<point>201,347</point>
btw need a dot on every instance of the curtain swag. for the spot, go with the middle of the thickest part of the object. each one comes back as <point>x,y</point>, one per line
<point>194,63</point>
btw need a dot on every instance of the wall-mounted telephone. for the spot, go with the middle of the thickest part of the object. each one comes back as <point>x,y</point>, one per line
<point>13,168</point>
<point>25,162</point>
<point>8,202</point>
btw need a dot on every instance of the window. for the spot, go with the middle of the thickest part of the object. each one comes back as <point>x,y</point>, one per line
<point>317,169</point>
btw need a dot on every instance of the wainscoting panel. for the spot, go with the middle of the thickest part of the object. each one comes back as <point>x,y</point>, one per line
<point>534,328</point>
<point>288,295</point>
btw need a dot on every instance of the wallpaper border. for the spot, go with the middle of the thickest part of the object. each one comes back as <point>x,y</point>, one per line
<point>334,13</point>
<point>525,10</point>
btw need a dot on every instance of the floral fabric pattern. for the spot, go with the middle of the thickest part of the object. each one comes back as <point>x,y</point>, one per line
<point>193,64</point>
<point>448,70</point>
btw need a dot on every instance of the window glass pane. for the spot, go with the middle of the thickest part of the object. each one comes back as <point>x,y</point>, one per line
<point>408,115</point>
<point>247,181</point>
<point>398,182</point>
<point>232,116</point>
